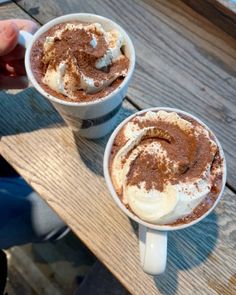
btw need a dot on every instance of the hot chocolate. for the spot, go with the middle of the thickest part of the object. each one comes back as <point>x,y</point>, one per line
<point>166,167</point>
<point>79,61</point>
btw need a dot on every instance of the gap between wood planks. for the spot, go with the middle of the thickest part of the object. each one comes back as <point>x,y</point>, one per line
<point>23,9</point>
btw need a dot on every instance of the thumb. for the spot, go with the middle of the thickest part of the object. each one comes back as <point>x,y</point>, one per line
<point>8,37</point>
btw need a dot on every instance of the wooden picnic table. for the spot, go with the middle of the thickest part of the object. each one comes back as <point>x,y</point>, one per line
<point>183,61</point>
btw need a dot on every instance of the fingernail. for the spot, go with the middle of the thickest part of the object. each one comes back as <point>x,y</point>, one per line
<point>9,31</point>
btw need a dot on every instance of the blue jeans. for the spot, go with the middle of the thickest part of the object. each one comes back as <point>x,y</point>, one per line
<point>24,216</point>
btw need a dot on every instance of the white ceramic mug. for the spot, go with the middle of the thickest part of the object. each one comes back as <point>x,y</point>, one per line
<point>153,238</point>
<point>92,119</point>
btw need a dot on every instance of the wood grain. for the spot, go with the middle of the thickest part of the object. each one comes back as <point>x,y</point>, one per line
<point>10,10</point>
<point>47,268</point>
<point>183,60</point>
<point>67,172</point>
<point>220,12</point>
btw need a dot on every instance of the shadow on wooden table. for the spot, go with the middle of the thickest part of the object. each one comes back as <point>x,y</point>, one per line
<point>26,111</point>
<point>187,249</point>
<point>92,151</point>
<point>55,268</point>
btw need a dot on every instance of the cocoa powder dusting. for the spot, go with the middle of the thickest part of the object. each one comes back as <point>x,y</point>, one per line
<point>192,153</point>
<point>209,201</point>
<point>77,43</point>
<point>183,149</point>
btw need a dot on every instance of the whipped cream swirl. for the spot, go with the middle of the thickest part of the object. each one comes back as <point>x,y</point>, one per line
<point>83,57</point>
<point>161,166</point>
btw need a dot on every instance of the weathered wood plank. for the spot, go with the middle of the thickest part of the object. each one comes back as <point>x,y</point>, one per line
<point>16,284</point>
<point>199,261</point>
<point>77,192</point>
<point>183,60</point>
<point>220,12</point>
<point>58,263</point>
<point>39,282</point>
<point>11,10</point>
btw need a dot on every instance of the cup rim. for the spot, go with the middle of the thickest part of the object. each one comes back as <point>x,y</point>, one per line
<point>117,199</point>
<point>71,17</point>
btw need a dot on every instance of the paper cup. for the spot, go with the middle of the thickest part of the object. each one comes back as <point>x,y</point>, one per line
<point>92,119</point>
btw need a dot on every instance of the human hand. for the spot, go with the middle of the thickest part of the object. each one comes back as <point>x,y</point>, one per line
<point>12,70</point>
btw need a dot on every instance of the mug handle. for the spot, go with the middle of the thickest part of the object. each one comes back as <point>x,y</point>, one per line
<point>24,38</point>
<point>153,250</point>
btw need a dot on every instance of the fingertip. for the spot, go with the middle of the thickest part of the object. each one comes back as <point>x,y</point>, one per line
<point>8,37</point>
<point>26,25</point>
<point>33,27</point>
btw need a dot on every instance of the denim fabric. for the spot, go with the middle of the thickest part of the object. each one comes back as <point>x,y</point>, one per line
<point>24,216</point>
